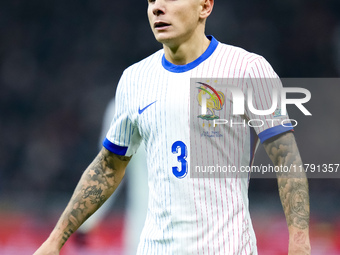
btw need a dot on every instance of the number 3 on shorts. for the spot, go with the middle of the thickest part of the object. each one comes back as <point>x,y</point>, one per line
<point>180,173</point>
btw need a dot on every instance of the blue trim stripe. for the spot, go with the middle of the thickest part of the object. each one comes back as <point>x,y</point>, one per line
<point>270,132</point>
<point>184,68</point>
<point>119,150</point>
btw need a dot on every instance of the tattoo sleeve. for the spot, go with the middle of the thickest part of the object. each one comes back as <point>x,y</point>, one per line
<point>96,185</point>
<point>293,186</point>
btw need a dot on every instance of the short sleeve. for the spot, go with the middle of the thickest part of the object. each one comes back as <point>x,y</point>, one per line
<point>123,137</point>
<point>264,101</point>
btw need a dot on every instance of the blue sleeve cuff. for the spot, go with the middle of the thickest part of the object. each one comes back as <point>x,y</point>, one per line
<point>119,150</point>
<point>270,132</point>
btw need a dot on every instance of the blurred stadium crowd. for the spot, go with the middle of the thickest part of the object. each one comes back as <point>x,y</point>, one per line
<point>60,62</point>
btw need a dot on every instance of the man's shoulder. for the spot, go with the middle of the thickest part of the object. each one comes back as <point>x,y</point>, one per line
<point>232,51</point>
<point>149,62</point>
<point>239,61</point>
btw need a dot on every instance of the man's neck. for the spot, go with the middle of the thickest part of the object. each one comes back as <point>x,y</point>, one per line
<point>187,51</point>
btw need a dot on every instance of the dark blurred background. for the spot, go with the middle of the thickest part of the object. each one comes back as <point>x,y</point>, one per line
<point>60,62</point>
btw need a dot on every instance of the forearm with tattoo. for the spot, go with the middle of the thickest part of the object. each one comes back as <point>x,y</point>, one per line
<point>96,185</point>
<point>293,187</point>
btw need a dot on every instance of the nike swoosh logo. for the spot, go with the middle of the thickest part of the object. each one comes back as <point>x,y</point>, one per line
<point>140,111</point>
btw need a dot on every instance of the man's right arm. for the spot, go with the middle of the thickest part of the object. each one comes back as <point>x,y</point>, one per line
<point>97,184</point>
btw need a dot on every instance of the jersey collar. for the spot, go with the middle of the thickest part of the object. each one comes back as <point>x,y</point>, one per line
<point>183,68</point>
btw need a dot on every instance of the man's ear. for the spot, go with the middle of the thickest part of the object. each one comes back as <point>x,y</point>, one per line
<point>207,6</point>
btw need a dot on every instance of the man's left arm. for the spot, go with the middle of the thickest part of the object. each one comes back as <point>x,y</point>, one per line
<point>293,190</point>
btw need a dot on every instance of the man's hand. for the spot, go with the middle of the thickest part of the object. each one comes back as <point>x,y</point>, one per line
<point>96,185</point>
<point>293,190</point>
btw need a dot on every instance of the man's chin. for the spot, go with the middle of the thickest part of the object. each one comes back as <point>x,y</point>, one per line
<point>163,38</point>
<point>166,40</point>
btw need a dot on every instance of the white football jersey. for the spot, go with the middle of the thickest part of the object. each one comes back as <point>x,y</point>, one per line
<point>189,215</point>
